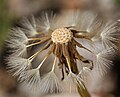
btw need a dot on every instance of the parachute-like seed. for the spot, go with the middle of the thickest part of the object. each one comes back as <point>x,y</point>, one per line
<point>31,78</point>
<point>84,24</point>
<point>83,21</point>
<point>71,19</point>
<point>17,48</point>
<point>72,78</point>
<point>103,61</point>
<point>109,35</point>
<point>46,22</point>
<point>19,35</point>
<point>95,25</point>
<point>29,26</point>
<point>84,73</point>
<point>50,84</point>
<point>18,65</point>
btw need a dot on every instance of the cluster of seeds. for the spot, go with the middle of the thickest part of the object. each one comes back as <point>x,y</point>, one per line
<point>80,43</point>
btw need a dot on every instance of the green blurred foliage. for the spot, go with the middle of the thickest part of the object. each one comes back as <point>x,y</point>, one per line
<point>5,20</point>
<point>118,2</point>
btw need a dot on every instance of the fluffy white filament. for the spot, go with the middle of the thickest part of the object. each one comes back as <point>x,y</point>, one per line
<point>46,22</point>
<point>109,34</point>
<point>50,84</point>
<point>29,26</point>
<point>18,65</point>
<point>103,61</point>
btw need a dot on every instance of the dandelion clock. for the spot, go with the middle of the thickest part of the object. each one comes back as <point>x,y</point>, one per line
<point>53,51</point>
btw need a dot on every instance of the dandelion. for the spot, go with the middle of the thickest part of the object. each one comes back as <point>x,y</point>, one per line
<point>82,37</point>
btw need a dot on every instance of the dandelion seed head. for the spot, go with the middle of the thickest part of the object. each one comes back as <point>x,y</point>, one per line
<point>81,39</point>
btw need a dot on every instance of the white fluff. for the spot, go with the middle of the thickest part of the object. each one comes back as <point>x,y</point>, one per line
<point>84,73</point>
<point>86,22</point>
<point>29,26</point>
<point>31,79</point>
<point>18,34</point>
<point>83,21</point>
<point>72,78</point>
<point>46,22</point>
<point>17,47</point>
<point>50,84</point>
<point>103,61</point>
<point>17,65</point>
<point>70,18</point>
<point>109,34</point>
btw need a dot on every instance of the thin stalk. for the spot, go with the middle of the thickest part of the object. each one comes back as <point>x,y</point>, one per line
<point>33,39</point>
<point>30,39</point>
<point>34,55</point>
<point>81,46</point>
<point>54,63</point>
<point>39,66</point>
<point>40,42</point>
<point>48,54</point>
<point>68,62</point>
<point>66,54</point>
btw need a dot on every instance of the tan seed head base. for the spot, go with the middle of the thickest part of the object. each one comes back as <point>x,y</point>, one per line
<point>61,35</point>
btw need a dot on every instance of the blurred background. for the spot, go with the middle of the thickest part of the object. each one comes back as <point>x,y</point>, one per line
<point>13,10</point>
